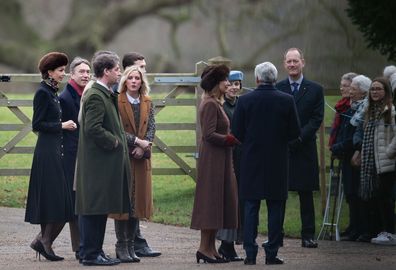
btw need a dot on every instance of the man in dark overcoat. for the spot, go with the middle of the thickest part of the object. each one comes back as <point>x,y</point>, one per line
<point>103,167</point>
<point>303,170</point>
<point>80,73</point>
<point>265,120</point>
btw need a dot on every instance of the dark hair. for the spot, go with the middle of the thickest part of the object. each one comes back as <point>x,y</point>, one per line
<point>387,99</point>
<point>104,61</point>
<point>129,59</point>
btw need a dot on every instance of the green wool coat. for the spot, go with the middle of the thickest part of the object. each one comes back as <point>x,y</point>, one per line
<point>103,170</point>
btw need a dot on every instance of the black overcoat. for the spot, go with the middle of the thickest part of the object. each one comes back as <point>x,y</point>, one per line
<point>265,120</point>
<point>303,170</point>
<point>70,104</point>
<point>49,195</point>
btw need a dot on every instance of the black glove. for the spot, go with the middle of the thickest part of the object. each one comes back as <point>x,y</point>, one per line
<point>295,144</point>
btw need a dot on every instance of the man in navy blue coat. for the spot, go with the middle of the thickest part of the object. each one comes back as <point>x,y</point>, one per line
<point>303,170</point>
<point>80,74</point>
<point>265,120</point>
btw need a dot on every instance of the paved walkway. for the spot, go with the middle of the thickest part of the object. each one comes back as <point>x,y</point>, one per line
<point>178,246</point>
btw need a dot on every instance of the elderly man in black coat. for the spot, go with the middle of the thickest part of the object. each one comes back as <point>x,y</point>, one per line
<point>303,170</point>
<point>80,74</point>
<point>265,120</point>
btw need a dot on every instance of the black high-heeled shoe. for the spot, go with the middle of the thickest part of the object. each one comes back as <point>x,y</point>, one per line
<point>37,247</point>
<point>200,256</point>
<point>49,255</point>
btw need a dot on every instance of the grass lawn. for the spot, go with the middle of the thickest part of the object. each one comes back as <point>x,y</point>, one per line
<point>173,194</point>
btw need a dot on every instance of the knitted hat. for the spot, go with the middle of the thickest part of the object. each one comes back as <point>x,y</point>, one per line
<point>212,75</point>
<point>51,61</point>
<point>235,75</point>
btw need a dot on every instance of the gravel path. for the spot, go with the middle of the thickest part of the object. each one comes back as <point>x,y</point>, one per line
<point>178,246</point>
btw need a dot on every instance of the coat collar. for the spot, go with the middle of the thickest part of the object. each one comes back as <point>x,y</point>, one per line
<point>265,87</point>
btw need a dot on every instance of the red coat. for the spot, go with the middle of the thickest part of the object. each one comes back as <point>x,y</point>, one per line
<point>215,202</point>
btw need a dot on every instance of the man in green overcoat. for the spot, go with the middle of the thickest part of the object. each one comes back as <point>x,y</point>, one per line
<point>103,165</point>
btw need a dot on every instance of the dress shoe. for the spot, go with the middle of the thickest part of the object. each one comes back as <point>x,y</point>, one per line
<point>147,252</point>
<point>309,243</point>
<point>364,238</point>
<point>100,260</point>
<point>77,255</point>
<point>47,253</point>
<point>249,261</point>
<point>275,260</point>
<point>266,241</point>
<point>200,256</point>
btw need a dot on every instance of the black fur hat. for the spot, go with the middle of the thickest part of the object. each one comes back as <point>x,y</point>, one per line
<point>212,75</point>
<point>51,61</point>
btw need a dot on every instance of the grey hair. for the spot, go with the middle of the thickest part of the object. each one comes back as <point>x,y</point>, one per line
<point>348,76</point>
<point>392,81</point>
<point>266,73</point>
<point>362,82</point>
<point>389,70</point>
<point>78,61</point>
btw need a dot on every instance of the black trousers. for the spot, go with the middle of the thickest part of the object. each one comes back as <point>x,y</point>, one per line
<point>275,220</point>
<point>92,232</point>
<point>307,214</point>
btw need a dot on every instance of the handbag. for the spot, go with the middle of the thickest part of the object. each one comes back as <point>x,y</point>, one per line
<point>146,155</point>
<point>356,159</point>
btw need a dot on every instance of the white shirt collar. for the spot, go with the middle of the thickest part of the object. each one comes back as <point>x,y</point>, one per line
<point>299,81</point>
<point>133,100</point>
<point>104,85</point>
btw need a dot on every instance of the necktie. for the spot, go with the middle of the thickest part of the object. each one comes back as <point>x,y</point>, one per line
<point>295,88</point>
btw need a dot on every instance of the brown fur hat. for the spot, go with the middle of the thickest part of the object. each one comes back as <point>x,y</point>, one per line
<point>51,61</point>
<point>212,75</point>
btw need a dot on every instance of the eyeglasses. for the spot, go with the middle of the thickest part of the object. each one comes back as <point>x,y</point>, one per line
<point>376,89</point>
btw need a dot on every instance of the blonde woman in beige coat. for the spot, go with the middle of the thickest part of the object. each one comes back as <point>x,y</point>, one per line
<point>137,117</point>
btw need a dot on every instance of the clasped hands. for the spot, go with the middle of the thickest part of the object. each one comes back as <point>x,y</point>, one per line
<point>141,147</point>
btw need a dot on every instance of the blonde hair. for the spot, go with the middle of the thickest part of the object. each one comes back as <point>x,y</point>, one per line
<point>144,88</point>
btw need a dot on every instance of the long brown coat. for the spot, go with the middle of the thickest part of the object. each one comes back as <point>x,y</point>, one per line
<point>215,203</point>
<point>141,172</point>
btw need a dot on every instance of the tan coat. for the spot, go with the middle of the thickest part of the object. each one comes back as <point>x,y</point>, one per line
<point>141,169</point>
<point>215,203</point>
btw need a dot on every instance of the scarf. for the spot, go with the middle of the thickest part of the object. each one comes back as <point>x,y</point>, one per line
<point>79,89</point>
<point>368,175</point>
<point>52,83</point>
<point>342,106</point>
<point>358,117</point>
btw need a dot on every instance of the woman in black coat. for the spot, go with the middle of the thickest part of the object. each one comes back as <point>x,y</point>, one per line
<point>49,201</point>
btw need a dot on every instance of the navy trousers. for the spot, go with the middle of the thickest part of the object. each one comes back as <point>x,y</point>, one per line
<point>275,222</point>
<point>92,232</point>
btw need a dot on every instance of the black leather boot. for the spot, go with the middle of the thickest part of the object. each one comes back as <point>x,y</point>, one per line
<point>227,250</point>
<point>121,247</point>
<point>130,235</point>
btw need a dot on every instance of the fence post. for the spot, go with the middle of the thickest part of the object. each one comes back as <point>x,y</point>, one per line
<point>322,166</point>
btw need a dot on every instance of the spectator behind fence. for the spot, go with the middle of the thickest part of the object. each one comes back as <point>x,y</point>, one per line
<point>342,105</point>
<point>343,148</point>
<point>137,117</point>
<point>265,120</point>
<point>377,174</point>
<point>49,199</point>
<point>103,169</point>
<point>228,237</point>
<point>304,170</point>
<point>215,202</point>
<point>80,74</point>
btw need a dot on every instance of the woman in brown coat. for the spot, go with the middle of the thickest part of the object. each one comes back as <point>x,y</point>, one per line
<point>137,115</point>
<point>215,203</point>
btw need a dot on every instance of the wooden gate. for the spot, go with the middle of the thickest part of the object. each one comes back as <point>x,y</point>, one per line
<point>173,86</point>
